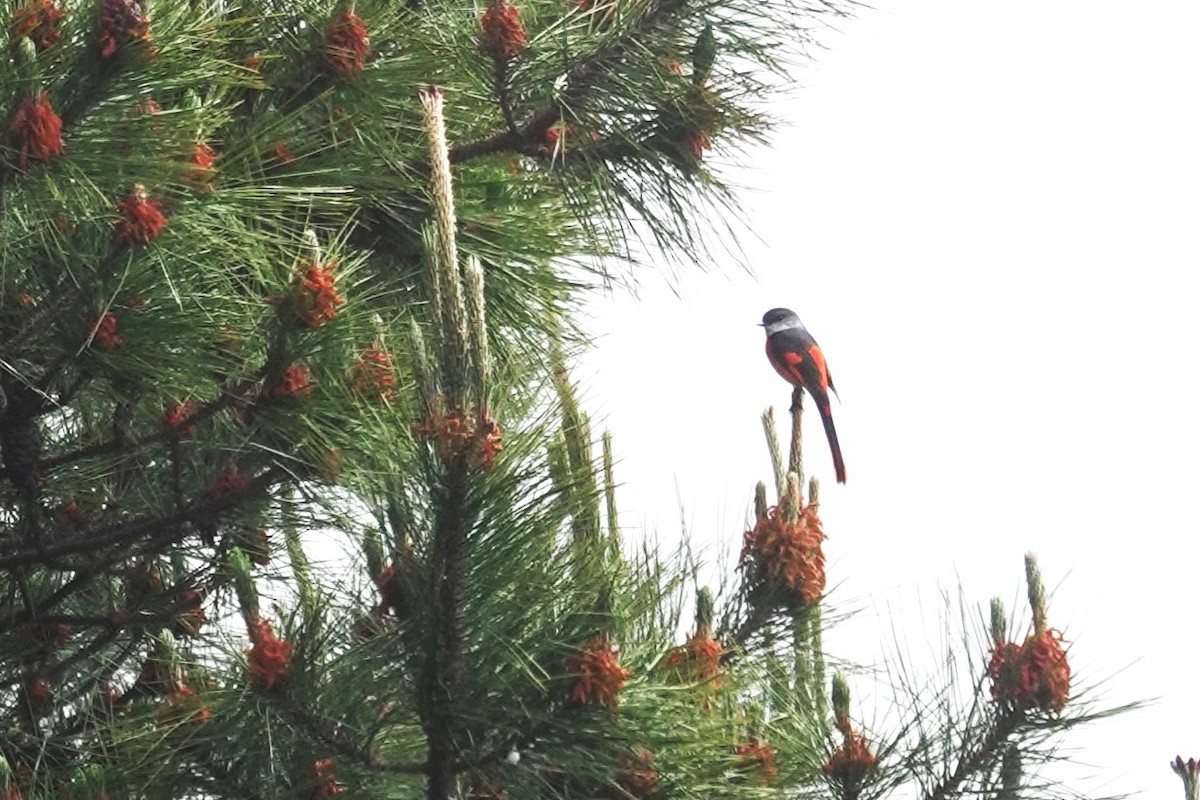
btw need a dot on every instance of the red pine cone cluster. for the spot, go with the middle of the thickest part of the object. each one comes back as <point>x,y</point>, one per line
<point>503,34</point>
<point>1031,676</point>
<point>142,218</point>
<point>37,694</point>
<point>757,756</point>
<point>296,381</point>
<point>314,297</point>
<point>50,635</point>
<point>636,775</point>
<point>103,330</point>
<point>269,657</point>
<point>455,436</point>
<point>40,21</point>
<point>182,706</point>
<point>177,419</point>
<point>347,45</point>
<point>256,544</point>
<point>698,659</point>
<point>598,675</point>
<point>373,375</point>
<point>850,764</point>
<point>200,166</point>
<point>36,131</point>
<point>696,143</point>
<point>789,554</point>
<point>191,617</point>
<point>326,784</point>
<point>123,23</point>
<point>228,482</point>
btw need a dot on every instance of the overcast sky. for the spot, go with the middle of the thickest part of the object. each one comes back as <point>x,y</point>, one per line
<point>988,214</point>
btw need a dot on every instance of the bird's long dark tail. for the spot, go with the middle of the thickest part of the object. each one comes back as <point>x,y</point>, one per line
<point>839,466</point>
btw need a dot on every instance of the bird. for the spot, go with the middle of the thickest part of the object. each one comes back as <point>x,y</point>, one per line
<point>795,355</point>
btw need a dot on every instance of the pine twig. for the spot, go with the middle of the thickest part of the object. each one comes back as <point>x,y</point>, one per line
<point>987,751</point>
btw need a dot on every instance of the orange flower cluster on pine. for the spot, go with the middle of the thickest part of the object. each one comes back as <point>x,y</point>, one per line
<point>36,131</point>
<point>154,678</point>
<point>314,298</point>
<point>191,617</point>
<point>75,513</point>
<point>40,21</point>
<point>256,544</point>
<point>503,33</point>
<point>553,135</point>
<point>696,143</point>
<point>850,764</point>
<point>389,590</point>
<point>141,220</point>
<point>698,659</point>
<point>373,375</point>
<point>38,694</point>
<point>758,755</point>
<point>270,657</point>
<point>1033,675</point>
<point>228,482</point>
<point>183,705</point>
<point>283,153</point>
<point>200,166</point>
<point>296,381</point>
<point>177,419</point>
<point>636,775</point>
<point>104,332</point>
<point>789,552</point>
<point>54,634</point>
<point>599,676</point>
<point>489,445</point>
<point>347,45</point>
<point>455,436</point>
<point>122,22</point>
<point>326,783</point>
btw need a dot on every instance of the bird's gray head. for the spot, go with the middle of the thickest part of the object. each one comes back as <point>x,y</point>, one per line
<point>780,319</point>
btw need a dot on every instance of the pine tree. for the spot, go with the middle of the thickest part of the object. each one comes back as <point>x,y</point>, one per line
<point>297,497</point>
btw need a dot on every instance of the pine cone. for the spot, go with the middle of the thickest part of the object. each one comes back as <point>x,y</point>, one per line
<point>122,22</point>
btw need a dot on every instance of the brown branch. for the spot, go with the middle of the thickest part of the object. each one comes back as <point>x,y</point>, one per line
<point>226,399</point>
<point>500,76</point>
<point>337,741</point>
<point>98,537</point>
<point>64,300</point>
<point>445,683</point>
<point>983,754</point>
<point>579,82</point>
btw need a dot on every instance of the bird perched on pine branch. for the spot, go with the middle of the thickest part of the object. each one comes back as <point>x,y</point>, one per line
<point>795,355</point>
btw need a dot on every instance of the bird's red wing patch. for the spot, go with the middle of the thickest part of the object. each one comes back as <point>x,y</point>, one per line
<point>791,367</point>
<point>819,361</point>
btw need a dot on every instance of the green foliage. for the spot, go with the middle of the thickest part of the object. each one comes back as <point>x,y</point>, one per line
<point>297,496</point>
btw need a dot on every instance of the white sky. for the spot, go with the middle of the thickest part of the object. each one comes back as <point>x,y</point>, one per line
<point>988,214</point>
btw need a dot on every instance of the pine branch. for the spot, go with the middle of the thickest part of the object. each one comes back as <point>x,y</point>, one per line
<point>336,739</point>
<point>227,398</point>
<point>449,575</point>
<point>64,298</point>
<point>985,753</point>
<point>163,528</point>
<point>445,680</point>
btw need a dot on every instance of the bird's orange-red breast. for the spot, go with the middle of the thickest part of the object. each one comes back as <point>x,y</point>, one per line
<point>795,355</point>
